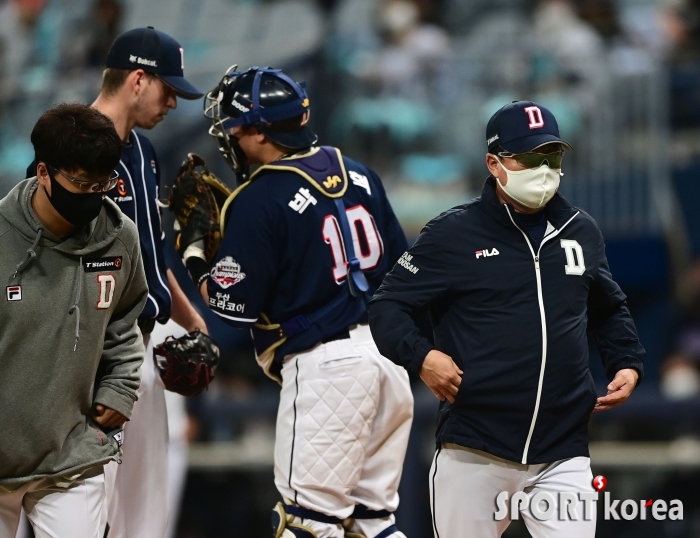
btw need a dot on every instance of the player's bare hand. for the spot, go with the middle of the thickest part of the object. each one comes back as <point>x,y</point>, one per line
<point>108,418</point>
<point>619,390</point>
<point>441,375</point>
<point>197,322</point>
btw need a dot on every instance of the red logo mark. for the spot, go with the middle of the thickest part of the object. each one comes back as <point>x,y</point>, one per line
<point>535,115</point>
<point>648,504</point>
<point>121,187</point>
<point>600,483</point>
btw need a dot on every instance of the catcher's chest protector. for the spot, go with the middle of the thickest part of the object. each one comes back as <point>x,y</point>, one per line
<point>298,233</point>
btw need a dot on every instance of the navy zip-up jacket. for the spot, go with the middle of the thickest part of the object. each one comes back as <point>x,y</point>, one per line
<point>514,317</point>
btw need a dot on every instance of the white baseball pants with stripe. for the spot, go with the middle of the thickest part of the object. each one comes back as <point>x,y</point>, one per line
<point>137,489</point>
<point>464,484</point>
<point>342,429</point>
<point>55,512</point>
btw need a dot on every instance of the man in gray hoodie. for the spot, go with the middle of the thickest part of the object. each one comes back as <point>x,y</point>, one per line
<point>70,348</point>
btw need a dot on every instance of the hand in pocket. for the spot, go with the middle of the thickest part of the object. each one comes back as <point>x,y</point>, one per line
<point>108,418</point>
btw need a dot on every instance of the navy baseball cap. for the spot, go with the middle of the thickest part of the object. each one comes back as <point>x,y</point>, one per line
<point>522,126</point>
<point>156,53</point>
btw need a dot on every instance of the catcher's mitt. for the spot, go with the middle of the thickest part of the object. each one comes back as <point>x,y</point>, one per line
<point>196,198</point>
<point>186,364</point>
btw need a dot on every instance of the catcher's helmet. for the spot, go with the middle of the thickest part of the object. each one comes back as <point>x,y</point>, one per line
<point>264,98</point>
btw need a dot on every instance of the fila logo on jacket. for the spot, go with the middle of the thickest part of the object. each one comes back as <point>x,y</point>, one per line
<point>486,253</point>
<point>574,256</point>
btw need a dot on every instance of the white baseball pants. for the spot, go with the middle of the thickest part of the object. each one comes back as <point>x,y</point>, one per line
<point>137,489</point>
<point>55,512</point>
<point>342,429</point>
<point>464,484</point>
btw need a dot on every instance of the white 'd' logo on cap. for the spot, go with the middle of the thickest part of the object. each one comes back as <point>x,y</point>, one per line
<point>535,115</point>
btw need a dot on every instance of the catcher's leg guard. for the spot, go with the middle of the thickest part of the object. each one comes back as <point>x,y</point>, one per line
<point>284,527</point>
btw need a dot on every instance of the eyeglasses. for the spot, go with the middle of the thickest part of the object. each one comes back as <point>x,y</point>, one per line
<point>532,159</point>
<point>91,186</point>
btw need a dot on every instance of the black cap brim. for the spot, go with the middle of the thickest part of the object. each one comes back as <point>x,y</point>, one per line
<point>528,143</point>
<point>304,138</point>
<point>183,88</point>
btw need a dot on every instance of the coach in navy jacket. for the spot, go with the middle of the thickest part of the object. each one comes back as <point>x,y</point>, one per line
<point>513,316</point>
<point>512,292</point>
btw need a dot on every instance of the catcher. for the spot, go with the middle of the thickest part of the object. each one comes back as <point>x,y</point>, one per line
<point>305,241</point>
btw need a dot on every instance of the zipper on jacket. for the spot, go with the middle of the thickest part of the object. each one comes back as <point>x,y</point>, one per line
<point>543,321</point>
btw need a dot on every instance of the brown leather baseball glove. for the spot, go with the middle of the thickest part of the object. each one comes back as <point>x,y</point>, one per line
<point>196,199</point>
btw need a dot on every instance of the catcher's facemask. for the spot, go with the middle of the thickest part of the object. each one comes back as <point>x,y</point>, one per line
<point>230,150</point>
<point>261,97</point>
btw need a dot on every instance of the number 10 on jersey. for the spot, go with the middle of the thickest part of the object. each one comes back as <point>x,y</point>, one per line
<point>365,238</point>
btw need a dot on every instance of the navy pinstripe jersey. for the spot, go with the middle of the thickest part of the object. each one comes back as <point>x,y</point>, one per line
<point>136,194</point>
<point>282,251</point>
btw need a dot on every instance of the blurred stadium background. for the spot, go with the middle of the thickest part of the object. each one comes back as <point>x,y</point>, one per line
<point>407,86</point>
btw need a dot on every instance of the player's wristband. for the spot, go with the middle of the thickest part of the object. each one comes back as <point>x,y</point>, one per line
<point>195,249</point>
<point>198,269</point>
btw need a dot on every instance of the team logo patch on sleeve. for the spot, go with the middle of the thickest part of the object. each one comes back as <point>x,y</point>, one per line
<point>360,181</point>
<point>405,262</point>
<point>227,272</point>
<point>95,265</point>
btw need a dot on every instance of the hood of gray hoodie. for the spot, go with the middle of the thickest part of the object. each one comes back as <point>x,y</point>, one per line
<point>49,353</point>
<point>96,235</point>
<point>16,207</point>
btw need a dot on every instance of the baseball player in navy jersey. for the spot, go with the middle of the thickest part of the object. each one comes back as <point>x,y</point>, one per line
<point>307,238</point>
<point>514,281</point>
<point>143,79</point>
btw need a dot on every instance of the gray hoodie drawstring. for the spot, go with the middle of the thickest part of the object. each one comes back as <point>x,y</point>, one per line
<point>75,308</point>
<point>29,256</point>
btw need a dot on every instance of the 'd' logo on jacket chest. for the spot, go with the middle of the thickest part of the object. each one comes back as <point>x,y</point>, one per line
<point>107,282</point>
<point>106,279</point>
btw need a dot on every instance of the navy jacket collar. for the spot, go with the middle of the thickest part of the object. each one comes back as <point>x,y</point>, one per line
<point>558,210</point>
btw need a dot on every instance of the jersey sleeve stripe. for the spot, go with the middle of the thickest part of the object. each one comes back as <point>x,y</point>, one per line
<point>155,303</point>
<point>150,222</point>
<point>244,320</point>
<point>133,192</point>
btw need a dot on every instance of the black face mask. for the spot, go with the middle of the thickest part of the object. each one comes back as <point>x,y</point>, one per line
<point>76,208</point>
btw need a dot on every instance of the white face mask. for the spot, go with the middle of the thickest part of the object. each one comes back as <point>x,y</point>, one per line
<point>533,187</point>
